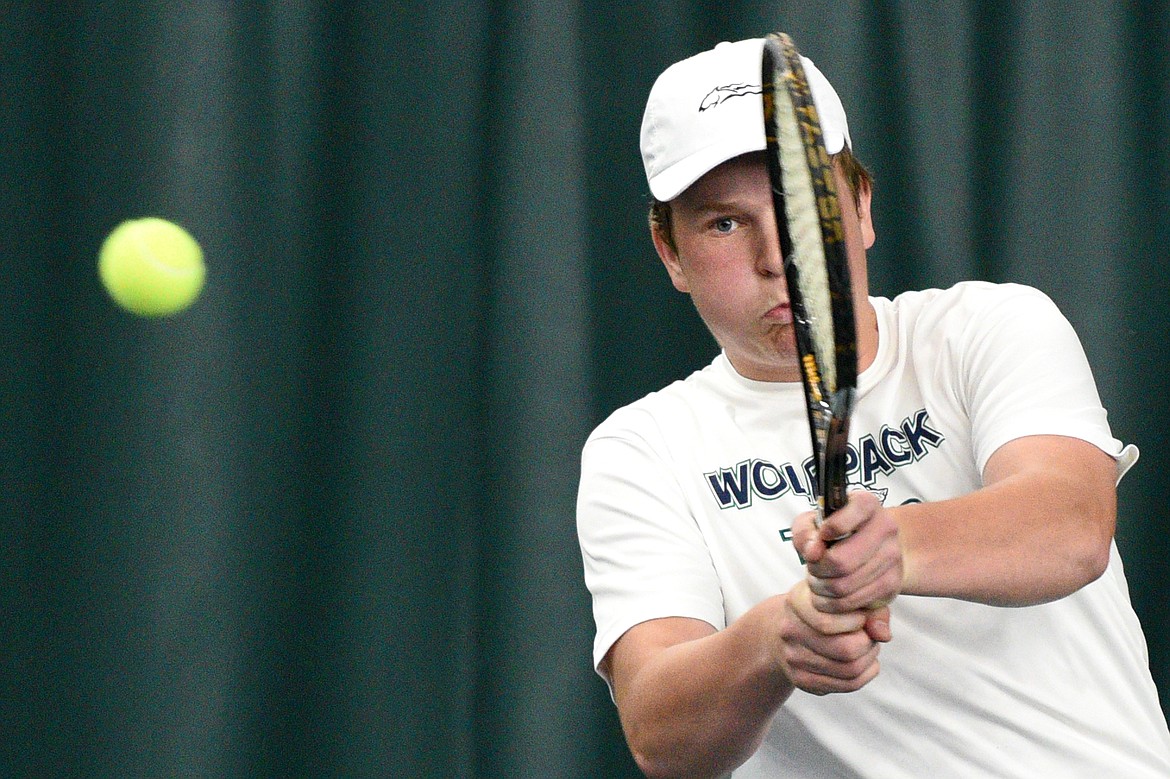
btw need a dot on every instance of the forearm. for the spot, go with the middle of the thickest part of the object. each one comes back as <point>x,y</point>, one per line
<point>702,706</point>
<point>1034,534</point>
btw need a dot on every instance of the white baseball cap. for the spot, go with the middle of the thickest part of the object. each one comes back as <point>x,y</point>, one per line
<point>709,108</point>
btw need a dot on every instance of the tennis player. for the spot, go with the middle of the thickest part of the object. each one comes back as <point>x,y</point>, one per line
<point>976,621</point>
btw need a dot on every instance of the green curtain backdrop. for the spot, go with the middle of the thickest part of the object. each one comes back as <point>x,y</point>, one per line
<point>322,523</point>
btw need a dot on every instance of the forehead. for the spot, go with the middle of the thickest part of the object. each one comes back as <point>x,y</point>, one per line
<point>740,177</point>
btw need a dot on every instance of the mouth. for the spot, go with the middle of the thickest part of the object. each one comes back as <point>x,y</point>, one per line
<point>781,314</point>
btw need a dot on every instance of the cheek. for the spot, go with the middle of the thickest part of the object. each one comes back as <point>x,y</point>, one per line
<point>719,299</point>
<point>721,278</point>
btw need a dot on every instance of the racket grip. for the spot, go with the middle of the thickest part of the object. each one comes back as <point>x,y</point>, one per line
<point>834,475</point>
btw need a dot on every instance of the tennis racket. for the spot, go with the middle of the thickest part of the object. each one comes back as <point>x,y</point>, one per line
<point>816,267</point>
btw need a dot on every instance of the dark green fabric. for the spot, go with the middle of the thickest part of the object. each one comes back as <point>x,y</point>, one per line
<point>322,523</point>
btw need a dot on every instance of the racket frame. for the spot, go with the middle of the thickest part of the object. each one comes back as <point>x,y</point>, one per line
<point>816,263</point>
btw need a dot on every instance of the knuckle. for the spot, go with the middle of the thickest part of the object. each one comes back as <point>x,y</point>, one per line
<point>852,649</point>
<point>827,587</point>
<point>830,605</point>
<point>823,623</point>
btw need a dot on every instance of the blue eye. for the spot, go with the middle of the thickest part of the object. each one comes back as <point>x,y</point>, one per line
<point>725,225</point>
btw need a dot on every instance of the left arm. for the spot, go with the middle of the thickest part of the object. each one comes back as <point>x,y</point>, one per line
<point>1041,525</point>
<point>1038,530</point>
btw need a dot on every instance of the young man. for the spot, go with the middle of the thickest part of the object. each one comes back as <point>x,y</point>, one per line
<point>983,475</point>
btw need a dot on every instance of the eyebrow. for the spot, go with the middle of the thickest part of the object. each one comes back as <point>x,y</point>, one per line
<point>719,206</point>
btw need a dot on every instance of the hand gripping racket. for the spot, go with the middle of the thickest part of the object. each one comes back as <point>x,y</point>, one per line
<point>816,267</point>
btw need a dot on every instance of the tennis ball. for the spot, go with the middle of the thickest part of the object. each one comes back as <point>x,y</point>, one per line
<point>151,267</point>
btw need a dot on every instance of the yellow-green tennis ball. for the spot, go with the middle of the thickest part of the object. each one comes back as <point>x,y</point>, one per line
<point>151,267</point>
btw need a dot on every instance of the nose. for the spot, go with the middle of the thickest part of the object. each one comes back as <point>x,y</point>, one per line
<point>770,260</point>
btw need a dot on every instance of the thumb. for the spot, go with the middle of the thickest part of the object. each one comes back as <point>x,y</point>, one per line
<point>806,537</point>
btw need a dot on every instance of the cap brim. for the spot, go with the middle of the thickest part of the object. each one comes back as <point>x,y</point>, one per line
<point>670,183</point>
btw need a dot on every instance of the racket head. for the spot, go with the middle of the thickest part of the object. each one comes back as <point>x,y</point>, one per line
<point>816,263</point>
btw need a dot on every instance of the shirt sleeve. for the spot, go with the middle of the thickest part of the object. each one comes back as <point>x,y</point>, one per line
<point>1024,372</point>
<point>643,553</point>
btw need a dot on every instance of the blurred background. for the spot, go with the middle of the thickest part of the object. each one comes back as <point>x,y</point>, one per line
<point>322,523</point>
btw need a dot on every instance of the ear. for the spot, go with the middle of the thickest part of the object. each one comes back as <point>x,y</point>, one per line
<point>669,256</point>
<point>865,216</point>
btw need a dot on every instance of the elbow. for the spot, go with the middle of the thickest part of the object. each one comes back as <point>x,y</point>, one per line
<point>1078,560</point>
<point>651,767</point>
<point>1100,550</point>
<point>666,768</point>
<point>655,766</point>
<point>676,760</point>
<point>651,760</point>
<point>1092,558</point>
<point>1094,522</point>
<point>1095,561</point>
<point>665,762</point>
<point>656,762</point>
<point>1102,519</point>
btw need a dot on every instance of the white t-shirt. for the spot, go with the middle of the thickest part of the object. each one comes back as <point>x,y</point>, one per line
<point>685,507</point>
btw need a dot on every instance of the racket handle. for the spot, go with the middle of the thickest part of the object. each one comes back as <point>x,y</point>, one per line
<point>834,474</point>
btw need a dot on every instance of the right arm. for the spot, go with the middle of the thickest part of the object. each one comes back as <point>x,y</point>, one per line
<point>694,701</point>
